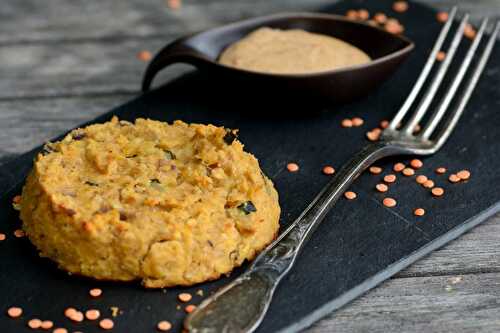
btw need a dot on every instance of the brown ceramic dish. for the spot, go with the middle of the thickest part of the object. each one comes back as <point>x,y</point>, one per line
<point>202,50</point>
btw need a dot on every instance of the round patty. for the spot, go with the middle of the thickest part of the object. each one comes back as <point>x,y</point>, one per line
<point>166,204</point>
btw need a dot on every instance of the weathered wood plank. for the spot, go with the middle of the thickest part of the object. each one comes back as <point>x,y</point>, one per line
<point>24,21</point>
<point>469,303</point>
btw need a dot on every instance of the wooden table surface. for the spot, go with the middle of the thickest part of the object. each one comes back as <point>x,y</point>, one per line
<point>65,62</point>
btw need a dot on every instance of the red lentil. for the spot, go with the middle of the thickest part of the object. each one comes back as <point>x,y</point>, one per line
<point>77,316</point>
<point>380,18</point>
<point>440,56</point>
<point>437,191</point>
<point>373,135</point>
<point>19,233</point>
<point>69,312</point>
<point>92,314</point>
<point>454,178</point>
<point>47,324</point>
<point>363,14</point>
<point>463,175</point>
<point>389,202</point>
<point>346,123</point>
<point>292,167</point>
<point>390,178</point>
<point>34,323</point>
<point>106,324</point>
<point>384,124</point>
<point>421,179</point>
<point>441,170</point>
<point>16,199</point>
<point>375,170</point>
<point>184,297</point>
<point>144,55</point>
<point>174,4</point>
<point>2,237</point>
<point>15,312</point>
<point>469,31</point>
<point>190,308</point>
<point>328,170</point>
<point>428,184</point>
<point>356,122</point>
<point>381,188</point>
<point>60,330</point>
<point>408,172</point>
<point>95,292</point>
<point>442,17</point>
<point>400,6</point>
<point>393,26</point>
<point>350,195</point>
<point>399,167</point>
<point>419,212</point>
<point>164,325</point>
<point>352,14</point>
<point>416,163</point>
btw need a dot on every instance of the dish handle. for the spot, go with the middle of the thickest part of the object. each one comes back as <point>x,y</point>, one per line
<point>177,52</point>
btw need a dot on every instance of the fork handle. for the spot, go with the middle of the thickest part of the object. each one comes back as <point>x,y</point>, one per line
<point>241,305</point>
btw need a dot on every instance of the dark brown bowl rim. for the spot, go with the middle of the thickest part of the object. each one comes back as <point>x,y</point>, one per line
<point>306,15</point>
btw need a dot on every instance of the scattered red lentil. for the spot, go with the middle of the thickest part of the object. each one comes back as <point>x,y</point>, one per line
<point>373,135</point>
<point>399,167</point>
<point>106,324</point>
<point>463,175</point>
<point>442,17</point>
<point>60,330</point>
<point>92,314</point>
<point>380,18</point>
<point>328,170</point>
<point>352,14</point>
<point>375,170</point>
<point>174,4</point>
<point>164,325</point>
<point>34,323</point>
<point>95,292</point>
<point>77,316</point>
<point>381,188</point>
<point>440,56</point>
<point>428,184</point>
<point>2,237</point>
<point>69,312</point>
<point>292,167</point>
<point>390,178</point>
<point>400,6</point>
<point>389,202</point>
<point>417,128</point>
<point>47,324</point>
<point>356,121</point>
<point>144,55</point>
<point>15,312</point>
<point>184,297</point>
<point>421,179</point>
<point>416,163</point>
<point>408,172</point>
<point>454,178</point>
<point>419,212</point>
<point>350,195</point>
<point>190,308</point>
<point>441,170</point>
<point>19,233</point>
<point>16,199</point>
<point>437,191</point>
<point>384,124</point>
<point>469,31</point>
<point>393,26</point>
<point>346,123</point>
<point>363,14</point>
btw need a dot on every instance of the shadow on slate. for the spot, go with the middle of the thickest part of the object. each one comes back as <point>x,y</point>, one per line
<point>359,244</point>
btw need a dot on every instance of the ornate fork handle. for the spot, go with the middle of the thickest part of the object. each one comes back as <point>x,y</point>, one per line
<point>241,305</point>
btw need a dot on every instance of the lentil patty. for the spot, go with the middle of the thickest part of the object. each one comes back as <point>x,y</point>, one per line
<point>166,204</point>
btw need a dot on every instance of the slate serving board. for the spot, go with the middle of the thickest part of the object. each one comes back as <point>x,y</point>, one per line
<point>359,244</point>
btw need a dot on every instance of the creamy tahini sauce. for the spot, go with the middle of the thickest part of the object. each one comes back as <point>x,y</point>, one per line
<point>291,52</point>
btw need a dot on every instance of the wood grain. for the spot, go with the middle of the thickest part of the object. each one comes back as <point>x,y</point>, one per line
<point>65,62</point>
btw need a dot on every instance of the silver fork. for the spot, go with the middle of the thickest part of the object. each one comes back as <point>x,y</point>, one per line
<point>241,305</point>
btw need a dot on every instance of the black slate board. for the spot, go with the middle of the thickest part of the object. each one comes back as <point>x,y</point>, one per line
<point>360,243</point>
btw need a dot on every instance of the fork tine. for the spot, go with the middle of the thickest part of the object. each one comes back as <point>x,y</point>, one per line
<point>452,121</point>
<point>425,72</point>
<point>437,80</point>
<point>445,103</point>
